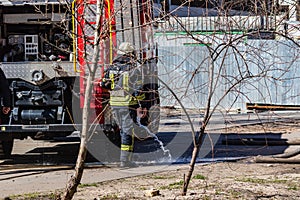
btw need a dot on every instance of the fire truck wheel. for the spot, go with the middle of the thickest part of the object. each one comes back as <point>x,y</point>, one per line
<point>6,147</point>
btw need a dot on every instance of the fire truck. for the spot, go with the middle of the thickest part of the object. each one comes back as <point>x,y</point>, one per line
<point>46,47</point>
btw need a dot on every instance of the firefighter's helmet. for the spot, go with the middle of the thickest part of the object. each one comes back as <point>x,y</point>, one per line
<point>125,48</point>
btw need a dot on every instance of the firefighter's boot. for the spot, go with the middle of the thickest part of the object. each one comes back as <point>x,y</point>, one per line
<point>125,159</point>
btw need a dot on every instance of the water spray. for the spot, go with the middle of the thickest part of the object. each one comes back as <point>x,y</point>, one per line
<point>166,151</point>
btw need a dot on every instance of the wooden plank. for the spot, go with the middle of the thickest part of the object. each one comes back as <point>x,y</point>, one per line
<point>264,106</point>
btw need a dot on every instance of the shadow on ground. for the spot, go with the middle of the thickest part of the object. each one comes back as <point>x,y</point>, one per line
<point>179,145</point>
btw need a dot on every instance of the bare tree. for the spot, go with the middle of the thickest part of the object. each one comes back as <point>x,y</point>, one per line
<point>260,21</point>
<point>75,179</point>
<point>252,64</point>
<point>103,37</point>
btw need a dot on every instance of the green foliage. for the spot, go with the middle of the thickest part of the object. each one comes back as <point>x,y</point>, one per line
<point>162,177</point>
<point>205,197</point>
<point>261,181</point>
<point>234,194</point>
<point>87,185</point>
<point>143,188</point>
<point>293,187</point>
<point>175,185</point>
<point>199,176</point>
<point>35,196</point>
<point>109,196</point>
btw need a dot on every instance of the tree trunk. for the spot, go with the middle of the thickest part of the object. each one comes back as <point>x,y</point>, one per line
<point>197,145</point>
<point>198,141</point>
<point>191,170</point>
<point>76,178</point>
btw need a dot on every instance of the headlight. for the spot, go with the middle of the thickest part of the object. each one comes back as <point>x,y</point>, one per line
<point>37,75</point>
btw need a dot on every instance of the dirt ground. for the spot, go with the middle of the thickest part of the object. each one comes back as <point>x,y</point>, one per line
<point>243,179</point>
<point>225,180</point>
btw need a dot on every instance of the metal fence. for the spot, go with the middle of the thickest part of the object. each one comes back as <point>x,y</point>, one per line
<point>260,71</point>
<point>221,23</point>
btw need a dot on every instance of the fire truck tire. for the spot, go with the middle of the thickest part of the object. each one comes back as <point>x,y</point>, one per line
<point>6,147</point>
<point>154,118</point>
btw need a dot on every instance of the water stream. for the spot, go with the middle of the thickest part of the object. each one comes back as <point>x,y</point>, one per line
<point>161,144</point>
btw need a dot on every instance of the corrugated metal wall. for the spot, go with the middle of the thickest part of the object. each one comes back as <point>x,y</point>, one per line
<point>214,23</point>
<point>260,71</point>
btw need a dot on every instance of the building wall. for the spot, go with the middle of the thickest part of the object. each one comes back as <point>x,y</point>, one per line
<point>184,65</point>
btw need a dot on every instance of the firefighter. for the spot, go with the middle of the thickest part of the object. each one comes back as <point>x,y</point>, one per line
<point>5,96</point>
<point>127,98</point>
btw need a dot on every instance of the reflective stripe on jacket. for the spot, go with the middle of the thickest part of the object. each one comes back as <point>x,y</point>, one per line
<point>127,100</point>
<point>125,88</point>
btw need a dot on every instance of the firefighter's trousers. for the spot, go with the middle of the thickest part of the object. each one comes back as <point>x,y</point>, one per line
<point>126,125</point>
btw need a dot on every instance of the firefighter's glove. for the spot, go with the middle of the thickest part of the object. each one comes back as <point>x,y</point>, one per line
<point>105,83</point>
<point>141,112</point>
<point>5,110</point>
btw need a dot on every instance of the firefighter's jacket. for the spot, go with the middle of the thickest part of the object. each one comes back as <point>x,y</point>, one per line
<point>124,79</point>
